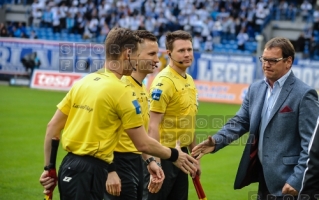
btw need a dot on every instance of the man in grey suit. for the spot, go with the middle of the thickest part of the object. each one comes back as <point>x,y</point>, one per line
<point>279,113</point>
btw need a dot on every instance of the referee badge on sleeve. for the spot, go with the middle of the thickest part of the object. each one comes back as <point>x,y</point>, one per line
<point>137,107</point>
<point>156,94</point>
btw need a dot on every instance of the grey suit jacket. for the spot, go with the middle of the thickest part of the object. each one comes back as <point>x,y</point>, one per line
<point>286,135</point>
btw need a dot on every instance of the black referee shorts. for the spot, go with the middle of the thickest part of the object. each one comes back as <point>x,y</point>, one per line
<point>82,178</point>
<point>175,185</point>
<point>129,167</point>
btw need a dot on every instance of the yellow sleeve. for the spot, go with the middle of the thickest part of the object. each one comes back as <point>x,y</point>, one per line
<point>65,105</point>
<point>161,92</point>
<point>129,110</point>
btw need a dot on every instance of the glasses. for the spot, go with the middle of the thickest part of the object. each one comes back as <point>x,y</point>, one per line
<point>271,61</point>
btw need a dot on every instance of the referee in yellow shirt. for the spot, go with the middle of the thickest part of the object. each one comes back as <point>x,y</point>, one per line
<point>173,110</point>
<point>127,179</point>
<point>91,115</point>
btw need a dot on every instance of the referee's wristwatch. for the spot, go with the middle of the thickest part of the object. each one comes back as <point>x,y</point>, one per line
<point>149,160</point>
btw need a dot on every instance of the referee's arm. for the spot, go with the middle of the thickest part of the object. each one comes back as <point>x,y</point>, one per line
<point>153,129</point>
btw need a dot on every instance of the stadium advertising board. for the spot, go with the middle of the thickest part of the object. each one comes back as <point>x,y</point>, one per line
<point>223,68</point>
<point>54,80</point>
<point>221,92</point>
<point>89,57</point>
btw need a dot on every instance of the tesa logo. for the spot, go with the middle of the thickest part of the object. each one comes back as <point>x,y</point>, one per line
<point>54,80</point>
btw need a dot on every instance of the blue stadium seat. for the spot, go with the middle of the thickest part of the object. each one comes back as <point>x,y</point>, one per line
<point>56,38</point>
<point>28,29</point>
<point>230,51</point>
<point>51,38</point>
<point>234,46</point>
<point>78,36</point>
<point>64,34</point>
<point>232,42</point>
<point>57,34</point>
<point>218,45</point>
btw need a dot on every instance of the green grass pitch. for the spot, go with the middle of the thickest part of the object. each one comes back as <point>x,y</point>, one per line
<point>24,114</point>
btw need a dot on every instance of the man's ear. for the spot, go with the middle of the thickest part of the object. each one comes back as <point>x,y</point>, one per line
<point>127,54</point>
<point>289,61</point>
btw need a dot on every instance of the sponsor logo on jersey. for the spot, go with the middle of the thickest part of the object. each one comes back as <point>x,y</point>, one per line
<point>159,84</point>
<point>137,107</point>
<point>156,94</point>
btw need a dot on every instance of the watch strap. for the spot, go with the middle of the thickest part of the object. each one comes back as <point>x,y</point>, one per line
<point>149,160</point>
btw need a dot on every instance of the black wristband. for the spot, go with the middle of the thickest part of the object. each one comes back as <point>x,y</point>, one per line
<point>174,155</point>
<point>111,167</point>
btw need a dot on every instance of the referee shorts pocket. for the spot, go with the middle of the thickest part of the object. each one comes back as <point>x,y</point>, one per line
<point>75,185</point>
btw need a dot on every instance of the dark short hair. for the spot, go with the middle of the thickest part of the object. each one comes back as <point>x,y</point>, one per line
<point>144,34</point>
<point>284,44</point>
<point>171,37</point>
<point>119,39</point>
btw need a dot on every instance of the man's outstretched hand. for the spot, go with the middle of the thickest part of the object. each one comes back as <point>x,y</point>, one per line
<point>203,148</point>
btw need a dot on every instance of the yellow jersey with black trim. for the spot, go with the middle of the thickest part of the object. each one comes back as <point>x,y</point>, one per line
<point>139,91</point>
<point>97,107</point>
<point>175,97</point>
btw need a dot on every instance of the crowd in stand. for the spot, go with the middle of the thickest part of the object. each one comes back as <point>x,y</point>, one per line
<point>208,21</point>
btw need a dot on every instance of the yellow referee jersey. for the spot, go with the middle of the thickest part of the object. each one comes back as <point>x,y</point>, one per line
<point>176,97</point>
<point>97,106</point>
<point>139,91</point>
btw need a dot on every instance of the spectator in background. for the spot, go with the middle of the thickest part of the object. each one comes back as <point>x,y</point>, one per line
<point>291,12</point>
<point>193,16</point>
<point>261,14</point>
<point>281,10</point>
<point>313,47</point>
<point>87,34</point>
<point>242,38</point>
<point>208,45</point>
<point>23,35</point>
<point>30,62</point>
<point>74,8</point>
<point>306,11</point>
<point>104,30</point>
<point>94,24</point>
<point>33,35</point>
<point>301,43</point>
<point>69,23</point>
<point>47,17</point>
<point>56,21</point>
<point>124,21</point>
<point>4,32</point>
<point>63,14</point>
<point>197,41</point>
<point>36,17</point>
<point>150,24</point>
<point>16,32</point>
<point>79,23</point>
<point>135,22</point>
<point>316,19</point>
